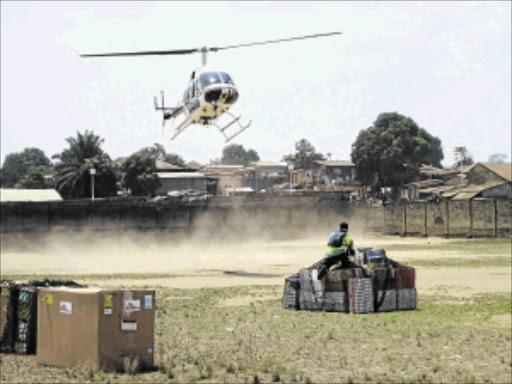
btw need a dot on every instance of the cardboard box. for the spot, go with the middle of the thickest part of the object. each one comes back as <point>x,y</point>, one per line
<point>93,326</point>
<point>25,327</point>
<point>6,336</point>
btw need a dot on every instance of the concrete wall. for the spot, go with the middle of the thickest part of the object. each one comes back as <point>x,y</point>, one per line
<point>477,217</point>
<point>264,214</point>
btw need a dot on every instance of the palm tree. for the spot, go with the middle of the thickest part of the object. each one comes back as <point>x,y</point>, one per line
<point>72,173</point>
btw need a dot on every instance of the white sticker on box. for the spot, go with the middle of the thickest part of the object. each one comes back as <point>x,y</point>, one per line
<point>150,350</point>
<point>107,311</point>
<point>131,306</point>
<point>66,307</point>
<point>128,325</point>
<point>148,302</point>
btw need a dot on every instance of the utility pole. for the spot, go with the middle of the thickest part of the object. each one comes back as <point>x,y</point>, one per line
<point>92,172</point>
<point>461,155</point>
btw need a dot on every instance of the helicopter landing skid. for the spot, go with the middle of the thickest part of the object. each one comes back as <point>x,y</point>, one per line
<point>184,125</point>
<point>235,120</point>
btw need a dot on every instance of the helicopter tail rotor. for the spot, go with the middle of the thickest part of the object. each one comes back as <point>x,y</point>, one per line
<point>167,112</point>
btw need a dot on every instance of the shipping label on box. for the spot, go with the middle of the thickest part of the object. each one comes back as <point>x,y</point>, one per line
<point>131,306</point>
<point>148,302</point>
<point>128,325</point>
<point>66,307</point>
<point>48,298</point>
<point>108,304</point>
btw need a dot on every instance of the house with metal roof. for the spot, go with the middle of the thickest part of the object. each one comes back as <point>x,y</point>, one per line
<point>181,181</point>
<point>485,180</point>
<point>38,195</point>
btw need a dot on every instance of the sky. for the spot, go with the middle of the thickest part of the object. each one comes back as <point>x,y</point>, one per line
<point>446,65</point>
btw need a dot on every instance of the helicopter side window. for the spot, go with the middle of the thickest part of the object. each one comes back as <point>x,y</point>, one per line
<point>226,79</point>
<point>186,95</point>
<point>209,78</point>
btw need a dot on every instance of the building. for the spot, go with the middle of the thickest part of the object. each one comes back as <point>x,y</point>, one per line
<point>19,195</point>
<point>327,174</point>
<point>264,175</point>
<point>227,176</point>
<point>493,181</point>
<point>337,171</point>
<point>182,181</point>
<point>485,173</point>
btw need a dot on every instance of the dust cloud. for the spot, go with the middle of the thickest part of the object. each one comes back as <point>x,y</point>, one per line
<point>267,246</point>
<point>241,240</point>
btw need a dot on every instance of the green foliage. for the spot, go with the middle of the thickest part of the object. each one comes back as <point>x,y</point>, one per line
<point>138,174</point>
<point>391,151</point>
<point>33,179</point>
<point>497,158</point>
<point>158,152</point>
<point>306,155</point>
<point>235,154</point>
<point>72,174</point>
<point>17,165</point>
<point>463,157</point>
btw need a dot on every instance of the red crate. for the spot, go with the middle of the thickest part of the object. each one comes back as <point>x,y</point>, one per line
<point>405,277</point>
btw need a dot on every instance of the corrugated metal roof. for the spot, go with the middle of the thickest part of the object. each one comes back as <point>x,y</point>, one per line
<point>159,164</point>
<point>468,192</point>
<point>180,175</point>
<point>14,195</point>
<point>335,163</point>
<point>503,170</point>
<point>266,163</point>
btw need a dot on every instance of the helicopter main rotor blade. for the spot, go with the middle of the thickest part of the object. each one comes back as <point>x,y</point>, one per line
<point>214,49</point>
<point>204,49</point>
<point>144,53</point>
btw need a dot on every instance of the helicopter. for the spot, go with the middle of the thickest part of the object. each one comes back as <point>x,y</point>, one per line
<point>210,93</point>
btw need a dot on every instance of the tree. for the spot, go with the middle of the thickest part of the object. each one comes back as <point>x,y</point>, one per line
<point>497,158</point>
<point>139,175</point>
<point>72,174</point>
<point>17,165</point>
<point>391,151</point>
<point>158,152</point>
<point>235,154</point>
<point>33,179</point>
<point>463,157</point>
<point>305,155</point>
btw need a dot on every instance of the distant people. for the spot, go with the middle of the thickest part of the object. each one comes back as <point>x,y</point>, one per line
<point>340,247</point>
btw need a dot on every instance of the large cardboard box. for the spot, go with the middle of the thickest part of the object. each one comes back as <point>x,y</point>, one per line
<point>6,337</point>
<point>94,326</point>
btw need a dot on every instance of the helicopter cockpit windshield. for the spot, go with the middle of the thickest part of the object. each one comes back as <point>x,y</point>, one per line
<point>209,78</point>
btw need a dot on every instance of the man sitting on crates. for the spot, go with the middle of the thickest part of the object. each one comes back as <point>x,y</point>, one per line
<point>341,246</point>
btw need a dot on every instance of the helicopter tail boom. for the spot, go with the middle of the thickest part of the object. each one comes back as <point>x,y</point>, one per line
<point>168,112</point>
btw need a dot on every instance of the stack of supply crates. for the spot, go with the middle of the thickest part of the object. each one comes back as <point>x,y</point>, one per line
<point>18,314</point>
<point>383,288</point>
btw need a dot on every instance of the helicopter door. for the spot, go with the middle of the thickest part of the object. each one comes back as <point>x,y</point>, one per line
<point>196,88</point>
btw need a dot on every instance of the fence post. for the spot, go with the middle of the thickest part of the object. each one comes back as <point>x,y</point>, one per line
<point>495,218</point>
<point>404,219</point>
<point>425,233</point>
<point>447,209</point>
<point>470,218</point>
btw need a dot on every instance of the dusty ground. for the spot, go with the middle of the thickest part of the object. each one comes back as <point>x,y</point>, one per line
<point>234,329</point>
<point>204,262</point>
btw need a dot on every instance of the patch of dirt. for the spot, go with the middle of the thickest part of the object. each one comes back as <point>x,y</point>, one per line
<point>203,262</point>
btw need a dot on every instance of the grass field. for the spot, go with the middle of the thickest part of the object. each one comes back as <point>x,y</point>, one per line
<point>223,321</point>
